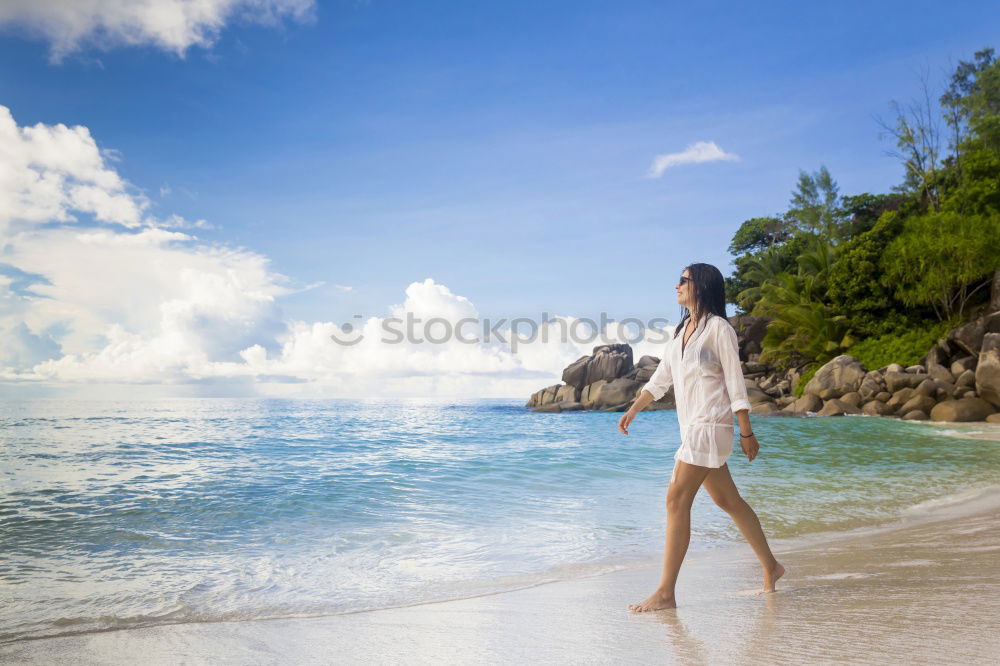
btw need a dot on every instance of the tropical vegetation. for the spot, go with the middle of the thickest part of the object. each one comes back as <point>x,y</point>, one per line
<point>882,276</point>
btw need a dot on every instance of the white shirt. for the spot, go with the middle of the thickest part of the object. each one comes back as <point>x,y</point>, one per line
<point>709,389</point>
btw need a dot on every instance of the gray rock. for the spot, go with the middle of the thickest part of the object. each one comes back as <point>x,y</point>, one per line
<point>993,418</point>
<point>841,375</point>
<point>616,392</point>
<point>926,387</point>
<point>852,398</point>
<point>568,393</point>
<point>551,407</point>
<point>883,396</point>
<point>969,337</point>
<point>900,397</point>
<point>988,369</point>
<point>915,415</point>
<point>876,408</point>
<point>939,372</point>
<point>575,373</point>
<point>807,403</point>
<point>918,402</point>
<point>967,378</point>
<point>894,381</point>
<point>763,407</point>
<point>871,384</point>
<point>959,366</point>
<point>571,406</point>
<point>965,409</point>
<point>591,393</point>
<point>835,407</point>
<point>892,367</point>
<point>915,369</point>
<point>543,396</point>
<point>609,362</point>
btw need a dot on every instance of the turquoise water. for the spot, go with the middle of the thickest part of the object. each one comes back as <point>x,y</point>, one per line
<point>118,514</point>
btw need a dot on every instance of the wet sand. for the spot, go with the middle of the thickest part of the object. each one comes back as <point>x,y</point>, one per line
<point>923,591</point>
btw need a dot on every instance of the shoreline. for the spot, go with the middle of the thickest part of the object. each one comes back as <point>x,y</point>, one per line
<point>882,578</point>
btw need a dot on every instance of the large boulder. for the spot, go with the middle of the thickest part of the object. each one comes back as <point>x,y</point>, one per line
<point>969,337</point>
<point>835,407</point>
<point>988,369</point>
<point>894,381</point>
<point>807,403</point>
<point>959,366</point>
<point>609,362</point>
<point>841,375</point>
<point>575,373</point>
<point>644,369</point>
<point>568,393</point>
<point>900,397</point>
<point>876,408</point>
<point>872,384</point>
<point>918,402</point>
<point>590,393</point>
<point>750,332</point>
<point>616,392</point>
<point>544,396</point>
<point>964,409</point>
<point>967,378</point>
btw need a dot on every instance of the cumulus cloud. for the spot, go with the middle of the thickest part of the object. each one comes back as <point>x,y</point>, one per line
<point>96,292</point>
<point>701,151</point>
<point>171,25</point>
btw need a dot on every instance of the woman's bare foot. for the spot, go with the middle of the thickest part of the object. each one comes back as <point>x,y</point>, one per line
<point>771,577</point>
<point>658,601</point>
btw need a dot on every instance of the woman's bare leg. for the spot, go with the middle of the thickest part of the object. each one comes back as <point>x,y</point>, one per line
<point>684,484</point>
<point>719,484</point>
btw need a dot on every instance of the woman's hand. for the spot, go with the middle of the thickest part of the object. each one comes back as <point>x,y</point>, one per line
<point>623,422</point>
<point>750,446</point>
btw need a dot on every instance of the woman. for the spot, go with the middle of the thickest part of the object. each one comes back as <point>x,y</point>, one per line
<point>704,366</point>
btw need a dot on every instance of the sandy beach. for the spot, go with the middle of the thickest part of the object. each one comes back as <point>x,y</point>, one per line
<point>921,591</point>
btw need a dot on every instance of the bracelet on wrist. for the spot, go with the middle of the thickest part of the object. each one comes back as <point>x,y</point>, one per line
<point>745,436</point>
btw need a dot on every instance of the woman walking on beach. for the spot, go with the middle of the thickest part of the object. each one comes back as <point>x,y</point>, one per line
<point>704,366</point>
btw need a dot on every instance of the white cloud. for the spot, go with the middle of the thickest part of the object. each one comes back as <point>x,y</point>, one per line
<point>171,25</point>
<point>138,301</point>
<point>701,151</point>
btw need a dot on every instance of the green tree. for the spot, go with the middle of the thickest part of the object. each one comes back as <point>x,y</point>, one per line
<point>758,234</point>
<point>815,205</point>
<point>942,260</point>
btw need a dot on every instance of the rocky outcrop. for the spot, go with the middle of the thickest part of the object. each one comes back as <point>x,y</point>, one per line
<point>988,369</point>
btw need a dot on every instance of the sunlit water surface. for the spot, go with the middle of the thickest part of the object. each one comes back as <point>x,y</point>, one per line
<point>130,513</point>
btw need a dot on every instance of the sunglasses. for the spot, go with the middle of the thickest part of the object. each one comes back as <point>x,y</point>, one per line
<point>683,280</point>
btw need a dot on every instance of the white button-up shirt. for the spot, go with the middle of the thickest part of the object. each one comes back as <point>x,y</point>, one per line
<point>708,388</point>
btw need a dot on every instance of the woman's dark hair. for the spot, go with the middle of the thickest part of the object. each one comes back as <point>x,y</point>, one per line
<point>708,292</point>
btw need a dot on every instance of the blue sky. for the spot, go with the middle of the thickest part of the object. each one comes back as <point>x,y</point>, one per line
<point>501,149</point>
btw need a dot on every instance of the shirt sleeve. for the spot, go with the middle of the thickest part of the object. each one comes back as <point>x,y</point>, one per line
<point>728,349</point>
<point>662,377</point>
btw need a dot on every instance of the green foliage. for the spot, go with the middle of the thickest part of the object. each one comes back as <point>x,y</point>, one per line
<point>941,260</point>
<point>752,270</point>
<point>815,205</point>
<point>808,373</point>
<point>801,325</point>
<point>976,190</point>
<point>905,347</point>
<point>882,276</point>
<point>860,212</point>
<point>759,234</point>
